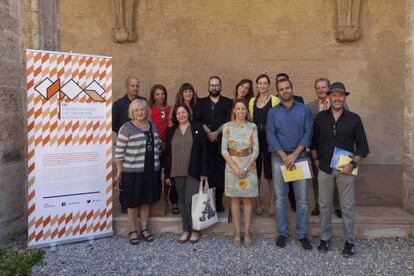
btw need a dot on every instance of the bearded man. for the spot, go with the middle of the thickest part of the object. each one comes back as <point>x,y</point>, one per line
<point>212,112</point>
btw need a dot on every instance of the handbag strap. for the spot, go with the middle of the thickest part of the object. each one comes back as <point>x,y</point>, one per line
<point>200,189</point>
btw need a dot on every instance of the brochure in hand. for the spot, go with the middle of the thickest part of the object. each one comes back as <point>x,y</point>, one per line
<point>302,171</point>
<point>341,157</point>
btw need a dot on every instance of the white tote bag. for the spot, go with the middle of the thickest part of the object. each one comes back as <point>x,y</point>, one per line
<point>203,208</point>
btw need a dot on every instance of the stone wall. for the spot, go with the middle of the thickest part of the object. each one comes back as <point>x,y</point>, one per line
<point>181,41</point>
<point>21,28</point>
<point>12,123</point>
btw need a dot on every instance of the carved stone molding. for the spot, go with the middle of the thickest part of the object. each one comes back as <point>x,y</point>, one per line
<point>124,15</point>
<point>347,20</point>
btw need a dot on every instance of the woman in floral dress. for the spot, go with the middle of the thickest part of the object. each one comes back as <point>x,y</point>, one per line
<point>240,148</point>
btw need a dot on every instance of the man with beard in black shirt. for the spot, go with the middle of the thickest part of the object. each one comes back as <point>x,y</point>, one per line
<point>337,127</point>
<point>212,112</point>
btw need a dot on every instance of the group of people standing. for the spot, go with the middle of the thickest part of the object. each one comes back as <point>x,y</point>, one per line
<point>232,143</point>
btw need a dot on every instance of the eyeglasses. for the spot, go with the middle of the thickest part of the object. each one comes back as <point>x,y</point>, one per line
<point>334,129</point>
<point>215,85</point>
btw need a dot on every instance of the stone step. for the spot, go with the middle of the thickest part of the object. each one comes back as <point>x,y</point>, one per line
<point>370,223</point>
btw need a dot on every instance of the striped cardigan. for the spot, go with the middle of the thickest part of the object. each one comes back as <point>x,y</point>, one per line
<point>130,148</point>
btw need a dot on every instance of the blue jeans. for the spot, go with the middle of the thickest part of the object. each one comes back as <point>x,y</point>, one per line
<point>301,195</point>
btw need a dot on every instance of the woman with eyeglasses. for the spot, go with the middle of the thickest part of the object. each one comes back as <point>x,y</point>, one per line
<point>137,154</point>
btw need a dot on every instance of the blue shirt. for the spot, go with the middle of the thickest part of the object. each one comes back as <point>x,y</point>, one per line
<point>287,128</point>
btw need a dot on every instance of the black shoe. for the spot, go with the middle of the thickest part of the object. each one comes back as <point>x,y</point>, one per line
<point>349,249</point>
<point>338,213</point>
<point>220,207</point>
<point>315,212</point>
<point>324,246</point>
<point>281,241</point>
<point>306,244</point>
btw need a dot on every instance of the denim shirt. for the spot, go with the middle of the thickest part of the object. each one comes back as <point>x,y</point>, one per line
<point>287,128</point>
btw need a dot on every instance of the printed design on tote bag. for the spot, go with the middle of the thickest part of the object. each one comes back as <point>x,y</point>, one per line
<point>208,211</point>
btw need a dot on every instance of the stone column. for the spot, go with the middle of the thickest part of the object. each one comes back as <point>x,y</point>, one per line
<point>408,175</point>
<point>24,24</point>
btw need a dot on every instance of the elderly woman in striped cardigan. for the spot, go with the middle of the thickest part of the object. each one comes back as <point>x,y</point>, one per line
<point>137,160</point>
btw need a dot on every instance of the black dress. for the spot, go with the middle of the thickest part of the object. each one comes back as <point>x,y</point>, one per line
<point>143,187</point>
<point>264,157</point>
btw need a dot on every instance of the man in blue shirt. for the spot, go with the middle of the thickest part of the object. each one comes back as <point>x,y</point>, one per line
<point>289,133</point>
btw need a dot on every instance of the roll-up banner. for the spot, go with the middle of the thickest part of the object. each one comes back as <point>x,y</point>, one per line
<point>69,99</point>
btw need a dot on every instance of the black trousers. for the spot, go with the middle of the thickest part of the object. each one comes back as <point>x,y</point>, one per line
<point>216,166</point>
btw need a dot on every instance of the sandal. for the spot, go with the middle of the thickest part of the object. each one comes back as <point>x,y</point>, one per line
<point>236,240</point>
<point>133,241</point>
<point>149,237</point>
<point>184,237</point>
<point>247,240</point>
<point>195,236</point>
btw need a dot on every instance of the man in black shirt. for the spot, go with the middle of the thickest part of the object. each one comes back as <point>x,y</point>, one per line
<point>212,112</point>
<point>337,127</point>
<point>120,113</point>
<point>120,106</point>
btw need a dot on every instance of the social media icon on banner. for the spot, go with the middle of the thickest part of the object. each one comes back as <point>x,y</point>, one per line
<point>63,203</point>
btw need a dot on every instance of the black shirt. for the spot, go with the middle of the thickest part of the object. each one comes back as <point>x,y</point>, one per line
<point>214,115</point>
<point>346,133</point>
<point>120,112</point>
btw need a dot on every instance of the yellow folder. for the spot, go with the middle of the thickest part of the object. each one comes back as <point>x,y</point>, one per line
<point>343,159</point>
<point>293,175</point>
<point>302,171</point>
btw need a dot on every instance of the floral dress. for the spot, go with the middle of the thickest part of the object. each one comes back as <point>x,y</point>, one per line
<point>239,137</point>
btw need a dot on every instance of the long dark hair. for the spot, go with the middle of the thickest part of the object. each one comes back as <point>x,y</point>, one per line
<point>261,76</point>
<point>174,120</point>
<point>250,93</point>
<point>179,97</point>
<point>152,94</point>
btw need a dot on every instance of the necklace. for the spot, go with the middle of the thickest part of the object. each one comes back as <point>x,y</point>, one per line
<point>263,102</point>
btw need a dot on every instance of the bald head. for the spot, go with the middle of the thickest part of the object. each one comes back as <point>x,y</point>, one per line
<point>132,87</point>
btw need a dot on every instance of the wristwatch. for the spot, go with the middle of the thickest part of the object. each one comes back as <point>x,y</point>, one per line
<point>354,164</point>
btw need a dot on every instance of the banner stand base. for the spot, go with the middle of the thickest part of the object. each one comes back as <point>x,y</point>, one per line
<point>52,245</point>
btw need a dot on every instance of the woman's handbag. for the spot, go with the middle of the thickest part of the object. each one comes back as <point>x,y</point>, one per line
<point>203,208</point>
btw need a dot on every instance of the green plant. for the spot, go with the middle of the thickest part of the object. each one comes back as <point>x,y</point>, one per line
<point>19,262</point>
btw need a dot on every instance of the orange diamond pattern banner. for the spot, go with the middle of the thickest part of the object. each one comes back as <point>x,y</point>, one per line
<point>69,100</point>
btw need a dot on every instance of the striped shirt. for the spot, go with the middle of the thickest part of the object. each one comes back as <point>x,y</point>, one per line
<point>131,147</point>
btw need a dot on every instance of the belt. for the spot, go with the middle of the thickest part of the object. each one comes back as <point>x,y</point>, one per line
<point>240,153</point>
